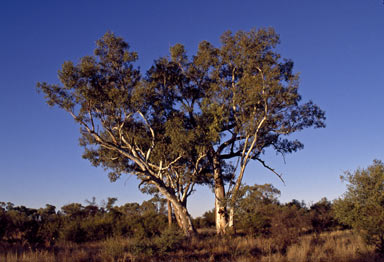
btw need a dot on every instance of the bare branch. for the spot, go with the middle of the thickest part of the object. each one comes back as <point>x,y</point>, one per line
<point>230,141</point>
<point>170,181</point>
<point>245,159</point>
<point>172,162</point>
<point>91,119</point>
<point>271,169</point>
<point>111,135</point>
<point>244,150</point>
<point>190,191</point>
<point>191,183</point>
<point>230,155</point>
<point>152,133</point>
<point>160,174</point>
<point>139,150</point>
<point>143,181</point>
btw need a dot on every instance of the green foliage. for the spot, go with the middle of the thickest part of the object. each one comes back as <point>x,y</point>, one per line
<point>322,216</point>
<point>362,205</point>
<point>74,232</point>
<point>79,224</point>
<point>130,124</point>
<point>141,247</point>
<point>4,220</point>
<point>49,225</point>
<point>170,127</point>
<point>112,250</point>
<point>259,213</point>
<point>255,208</point>
<point>207,220</point>
<point>169,240</point>
<point>288,223</point>
<point>22,225</point>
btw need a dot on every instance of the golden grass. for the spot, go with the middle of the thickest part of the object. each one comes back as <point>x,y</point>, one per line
<point>342,246</point>
<point>339,246</point>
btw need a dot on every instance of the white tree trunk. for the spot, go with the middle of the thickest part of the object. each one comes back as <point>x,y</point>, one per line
<point>182,216</point>
<point>169,213</point>
<point>221,215</point>
<point>231,218</point>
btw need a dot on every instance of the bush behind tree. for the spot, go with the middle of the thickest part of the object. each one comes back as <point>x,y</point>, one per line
<point>362,205</point>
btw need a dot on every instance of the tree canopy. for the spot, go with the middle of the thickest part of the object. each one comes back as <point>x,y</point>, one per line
<point>362,205</point>
<point>189,119</point>
<point>129,124</point>
<point>243,99</point>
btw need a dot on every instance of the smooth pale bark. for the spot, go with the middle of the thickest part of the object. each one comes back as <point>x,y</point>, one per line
<point>182,216</point>
<point>178,220</point>
<point>221,215</point>
<point>231,218</point>
<point>185,220</point>
<point>169,213</point>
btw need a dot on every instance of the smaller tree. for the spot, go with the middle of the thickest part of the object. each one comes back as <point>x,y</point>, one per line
<point>133,125</point>
<point>362,205</point>
<point>322,217</point>
<point>256,207</point>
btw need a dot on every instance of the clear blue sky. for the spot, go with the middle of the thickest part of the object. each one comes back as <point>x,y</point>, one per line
<point>337,46</point>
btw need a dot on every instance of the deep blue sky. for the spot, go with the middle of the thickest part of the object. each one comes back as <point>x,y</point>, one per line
<point>337,46</point>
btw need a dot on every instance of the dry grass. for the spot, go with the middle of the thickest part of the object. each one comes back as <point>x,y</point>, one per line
<point>340,246</point>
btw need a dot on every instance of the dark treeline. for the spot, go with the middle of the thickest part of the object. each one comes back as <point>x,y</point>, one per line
<point>77,223</point>
<point>259,213</point>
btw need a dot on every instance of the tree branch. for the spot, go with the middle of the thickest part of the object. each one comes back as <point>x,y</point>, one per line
<point>271,169</point>
<point>152,133</point>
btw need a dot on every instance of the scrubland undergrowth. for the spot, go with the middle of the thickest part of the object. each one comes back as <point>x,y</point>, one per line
<point>340,246</point>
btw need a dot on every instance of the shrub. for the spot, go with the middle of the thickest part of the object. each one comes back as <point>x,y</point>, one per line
<point>141,247</point>
<point>362,205</point>
<point>112,250</point>
<point>322,216</point>
<point>288,223</point>
<point>170,239</point>
<point>72,231</point>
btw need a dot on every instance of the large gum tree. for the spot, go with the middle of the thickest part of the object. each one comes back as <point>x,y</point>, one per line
<point>243,98</point>
<point>130,124</point>
<point>257,92</point>
<point>189,120</point>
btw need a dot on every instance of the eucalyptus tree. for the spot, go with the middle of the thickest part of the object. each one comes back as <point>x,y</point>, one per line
<point>258,95</point>
<point>240,98</point>
<point>189,120</point>
<point>129,125</point>
<point>362,205</point>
